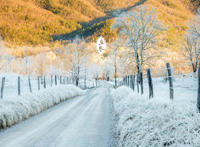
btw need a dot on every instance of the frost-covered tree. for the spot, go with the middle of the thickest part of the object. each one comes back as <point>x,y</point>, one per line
<point>116,54</point>
<point>140,28</point>
<point>194,26</point>
<point>41,64</point>
<point>95,71</point>
<point>192,47</point>
<point>2,53</point>
<point>76,52</point>
<point>107,70</point>
<point>192,42</point>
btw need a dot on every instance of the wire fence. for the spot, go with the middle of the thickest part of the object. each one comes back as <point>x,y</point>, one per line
<point>168,78</point>
<point>18,85</point>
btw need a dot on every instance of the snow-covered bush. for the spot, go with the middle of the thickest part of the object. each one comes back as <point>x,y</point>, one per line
<point>16,109</point>
<point>156,122</point>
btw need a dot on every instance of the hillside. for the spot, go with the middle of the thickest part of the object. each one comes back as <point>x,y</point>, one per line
<point>35,22</point>
<point>39,22</point>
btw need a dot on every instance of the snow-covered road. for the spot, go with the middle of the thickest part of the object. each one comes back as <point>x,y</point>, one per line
<point>85,121</point>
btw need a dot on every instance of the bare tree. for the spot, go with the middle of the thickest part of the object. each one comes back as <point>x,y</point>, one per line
<point>107,71</point>
<point>76,52</point>
<point>192,46</point>
<point>95,70</point>
<point>41,64</point>
<point>194,27</point>
<point>2,53</point>
<point>192,42</point>
<point>140,29</point>
<point>116,53</point>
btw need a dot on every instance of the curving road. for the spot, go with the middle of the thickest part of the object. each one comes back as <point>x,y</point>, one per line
<point>85,121</point>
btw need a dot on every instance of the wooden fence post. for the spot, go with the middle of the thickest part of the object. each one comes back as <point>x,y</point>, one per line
<point>170,79</point>
<point>44,82</point>
<point>150,82</point>
<point>29,84</point>
<point>141,82</point>
<point>55,80</point>
<point>38,82</point>
<point>67,80</point>
<point>131,79</point>
<point>133,82</point>
<point>2,86</point>
<point>198,94</point>
<point>125,81</point>
<point>51,80</point>
<point>137,82</point>
<point>19,86</point>
<point>64,78</point>
<point>60,79</point>
<point>128,79</point>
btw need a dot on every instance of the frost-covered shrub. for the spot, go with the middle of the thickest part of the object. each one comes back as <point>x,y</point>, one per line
<point>16,109</point>
<point>155,122</point>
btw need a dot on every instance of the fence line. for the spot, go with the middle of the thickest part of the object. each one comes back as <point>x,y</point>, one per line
<point>167,73</point>
<point>40,82</point>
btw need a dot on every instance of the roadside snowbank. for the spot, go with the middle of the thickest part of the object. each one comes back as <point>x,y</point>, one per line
<point>16,109</point>
<point>156,122</point>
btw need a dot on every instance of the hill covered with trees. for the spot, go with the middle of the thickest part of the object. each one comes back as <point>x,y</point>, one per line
<point>40,22</point>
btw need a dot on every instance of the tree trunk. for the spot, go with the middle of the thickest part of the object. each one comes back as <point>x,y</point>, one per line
<point>194,66</point>
<point>77,79</point>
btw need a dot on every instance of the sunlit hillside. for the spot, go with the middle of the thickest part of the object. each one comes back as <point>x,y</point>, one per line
<point>47,22</point>
<point>36,22</point>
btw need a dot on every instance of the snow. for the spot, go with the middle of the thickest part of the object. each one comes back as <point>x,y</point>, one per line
<point>11,84</point>
<point>159,121</point>
<point>17,108</point>
<point>84,121</point>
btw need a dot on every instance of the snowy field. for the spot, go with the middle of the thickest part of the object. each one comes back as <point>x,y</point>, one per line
<point>159,121</point>
<point>17,108</point>
<point>11,84</point>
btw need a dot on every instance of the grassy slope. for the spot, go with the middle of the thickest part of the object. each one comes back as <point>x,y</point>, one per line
<point>36,21</point>
<point>25,22</point>
<point>174,15</point>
